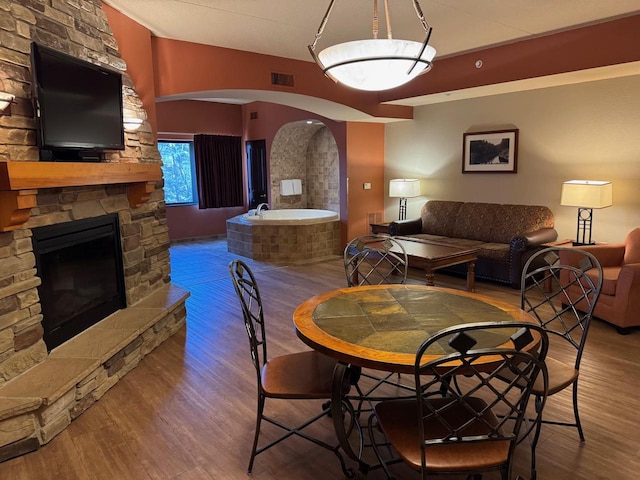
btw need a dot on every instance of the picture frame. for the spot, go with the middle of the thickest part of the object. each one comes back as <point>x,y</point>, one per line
<point>490,152</point>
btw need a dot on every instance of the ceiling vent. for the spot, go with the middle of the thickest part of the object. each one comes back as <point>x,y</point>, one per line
<point>281,79</point>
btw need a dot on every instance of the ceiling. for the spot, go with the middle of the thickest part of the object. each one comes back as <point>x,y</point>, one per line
<point>286,27</point>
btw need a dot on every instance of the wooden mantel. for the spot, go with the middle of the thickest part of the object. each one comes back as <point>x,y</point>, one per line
<point>20,181</point>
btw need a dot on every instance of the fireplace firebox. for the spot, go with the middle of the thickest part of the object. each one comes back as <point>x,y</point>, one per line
<point>80,265</point>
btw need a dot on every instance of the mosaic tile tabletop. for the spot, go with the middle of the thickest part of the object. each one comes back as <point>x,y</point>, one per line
<point>399,320</point>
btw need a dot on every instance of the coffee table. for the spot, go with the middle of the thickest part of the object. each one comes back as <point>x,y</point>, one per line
<point>431,256</point>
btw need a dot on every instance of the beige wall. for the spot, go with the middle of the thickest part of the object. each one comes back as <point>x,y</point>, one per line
<point>586,131</point>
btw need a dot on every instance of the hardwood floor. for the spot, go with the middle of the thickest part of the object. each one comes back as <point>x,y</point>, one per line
<point>188,410</point>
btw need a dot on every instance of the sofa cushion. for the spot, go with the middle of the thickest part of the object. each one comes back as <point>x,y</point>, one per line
<point>516,220</point>
<point>495,251</point>
<point>478,222</point>
<point>438,217</point>
<point>632,247</point>
<point>491,222</point>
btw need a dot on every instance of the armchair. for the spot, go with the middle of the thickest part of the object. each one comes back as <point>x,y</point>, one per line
<point>619,302</point>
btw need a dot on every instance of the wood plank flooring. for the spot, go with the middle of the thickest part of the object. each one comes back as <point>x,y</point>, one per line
<point>188,410</point>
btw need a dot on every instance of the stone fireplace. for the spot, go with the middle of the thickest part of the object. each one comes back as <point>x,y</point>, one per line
<point>42,390</point>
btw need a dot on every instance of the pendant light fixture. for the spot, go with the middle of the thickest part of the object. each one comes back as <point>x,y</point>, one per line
<point>378,63</point>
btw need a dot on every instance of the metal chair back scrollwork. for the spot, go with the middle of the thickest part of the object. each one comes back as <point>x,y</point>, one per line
<point>464,418</point>
<point>375,260</point>
<point>546,281</point>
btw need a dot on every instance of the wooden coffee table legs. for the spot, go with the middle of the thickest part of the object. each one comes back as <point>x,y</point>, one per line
<point>471,275</point>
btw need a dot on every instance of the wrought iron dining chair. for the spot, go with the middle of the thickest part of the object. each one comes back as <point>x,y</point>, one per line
<point>546,282</point>
<point>298,376</point>
<point>375,260</point>
<point>470,425</point>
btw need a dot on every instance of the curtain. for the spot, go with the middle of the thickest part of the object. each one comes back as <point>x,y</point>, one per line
<point>218,160</point>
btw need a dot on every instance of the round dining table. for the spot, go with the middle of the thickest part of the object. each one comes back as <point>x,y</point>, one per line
<point>381,327</point>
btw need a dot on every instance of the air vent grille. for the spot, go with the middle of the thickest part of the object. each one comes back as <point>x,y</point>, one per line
<point>282,79</point>
<point>375,217</point>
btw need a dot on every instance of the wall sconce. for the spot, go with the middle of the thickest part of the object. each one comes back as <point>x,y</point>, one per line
<point>404,188</point>
<point>131,124</point>
<point>586,195</point>
<point>6,99</point>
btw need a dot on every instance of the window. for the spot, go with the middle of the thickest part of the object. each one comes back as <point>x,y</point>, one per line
<point>178,170</point>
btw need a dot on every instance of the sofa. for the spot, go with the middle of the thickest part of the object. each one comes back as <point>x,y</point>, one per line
<point>619,301</point>
<point>507,235</point>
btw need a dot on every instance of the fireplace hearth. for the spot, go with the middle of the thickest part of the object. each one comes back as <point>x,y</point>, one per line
<point>80,265</point>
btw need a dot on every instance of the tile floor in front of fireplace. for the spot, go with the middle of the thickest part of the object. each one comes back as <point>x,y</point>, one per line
<point>188,410</point>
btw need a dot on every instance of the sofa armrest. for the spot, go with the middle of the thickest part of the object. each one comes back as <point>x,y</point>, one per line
<point>522,247</point>
<point>539,237</point>
<point>629,280</point>
<point>406,227</point>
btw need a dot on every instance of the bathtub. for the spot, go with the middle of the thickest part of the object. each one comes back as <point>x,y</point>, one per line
<point>285,235</point>
<point>302,216</point>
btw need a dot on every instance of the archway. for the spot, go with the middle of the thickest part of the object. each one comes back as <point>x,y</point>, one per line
<point>305,150</point>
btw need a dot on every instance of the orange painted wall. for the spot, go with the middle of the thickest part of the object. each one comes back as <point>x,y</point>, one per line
<point>183,67</point>
<point>365,163</point>
<point>179,120</point>
<point>598,45</point>
<point>134,44</point>
<point>190,116</point>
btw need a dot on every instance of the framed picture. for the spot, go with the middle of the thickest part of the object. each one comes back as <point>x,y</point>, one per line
<point>490,152</point>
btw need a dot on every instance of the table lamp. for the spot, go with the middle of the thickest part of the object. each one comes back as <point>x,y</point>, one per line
<point>586,195</point>
<point>404,188</point>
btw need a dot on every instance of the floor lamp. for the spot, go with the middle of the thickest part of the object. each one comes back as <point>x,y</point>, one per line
<point>586,195</point>
<point>404,188</point>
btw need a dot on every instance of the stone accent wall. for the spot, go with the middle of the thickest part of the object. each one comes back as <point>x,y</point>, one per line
<point>323,172</point>
<point>78,28</point>
<point>40,393</point>
<point>308,152</point>
<point>42,402</point>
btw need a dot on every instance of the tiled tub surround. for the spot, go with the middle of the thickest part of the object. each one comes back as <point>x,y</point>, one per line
<point>287,242</point>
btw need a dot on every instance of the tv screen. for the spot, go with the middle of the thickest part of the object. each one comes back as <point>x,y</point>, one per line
<point>78,104</point>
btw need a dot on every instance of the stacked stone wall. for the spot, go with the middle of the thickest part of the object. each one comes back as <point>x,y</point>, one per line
<point>78,28</point>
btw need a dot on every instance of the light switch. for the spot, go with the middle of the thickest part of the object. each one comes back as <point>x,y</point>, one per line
<point>367,186</point>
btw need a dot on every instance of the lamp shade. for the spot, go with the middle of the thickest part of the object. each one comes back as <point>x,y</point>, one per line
<point>404,187</point>
<point>376,64</point>
<point>5,99</point>
<point>587,194</point>
<point>132,124</point>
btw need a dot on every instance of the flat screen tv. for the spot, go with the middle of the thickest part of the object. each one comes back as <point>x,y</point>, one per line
<point>78,106</point>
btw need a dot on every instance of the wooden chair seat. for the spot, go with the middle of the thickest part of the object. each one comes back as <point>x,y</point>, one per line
<point>298,375</point>
<point>561,376</point>
<point>398,419</point>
